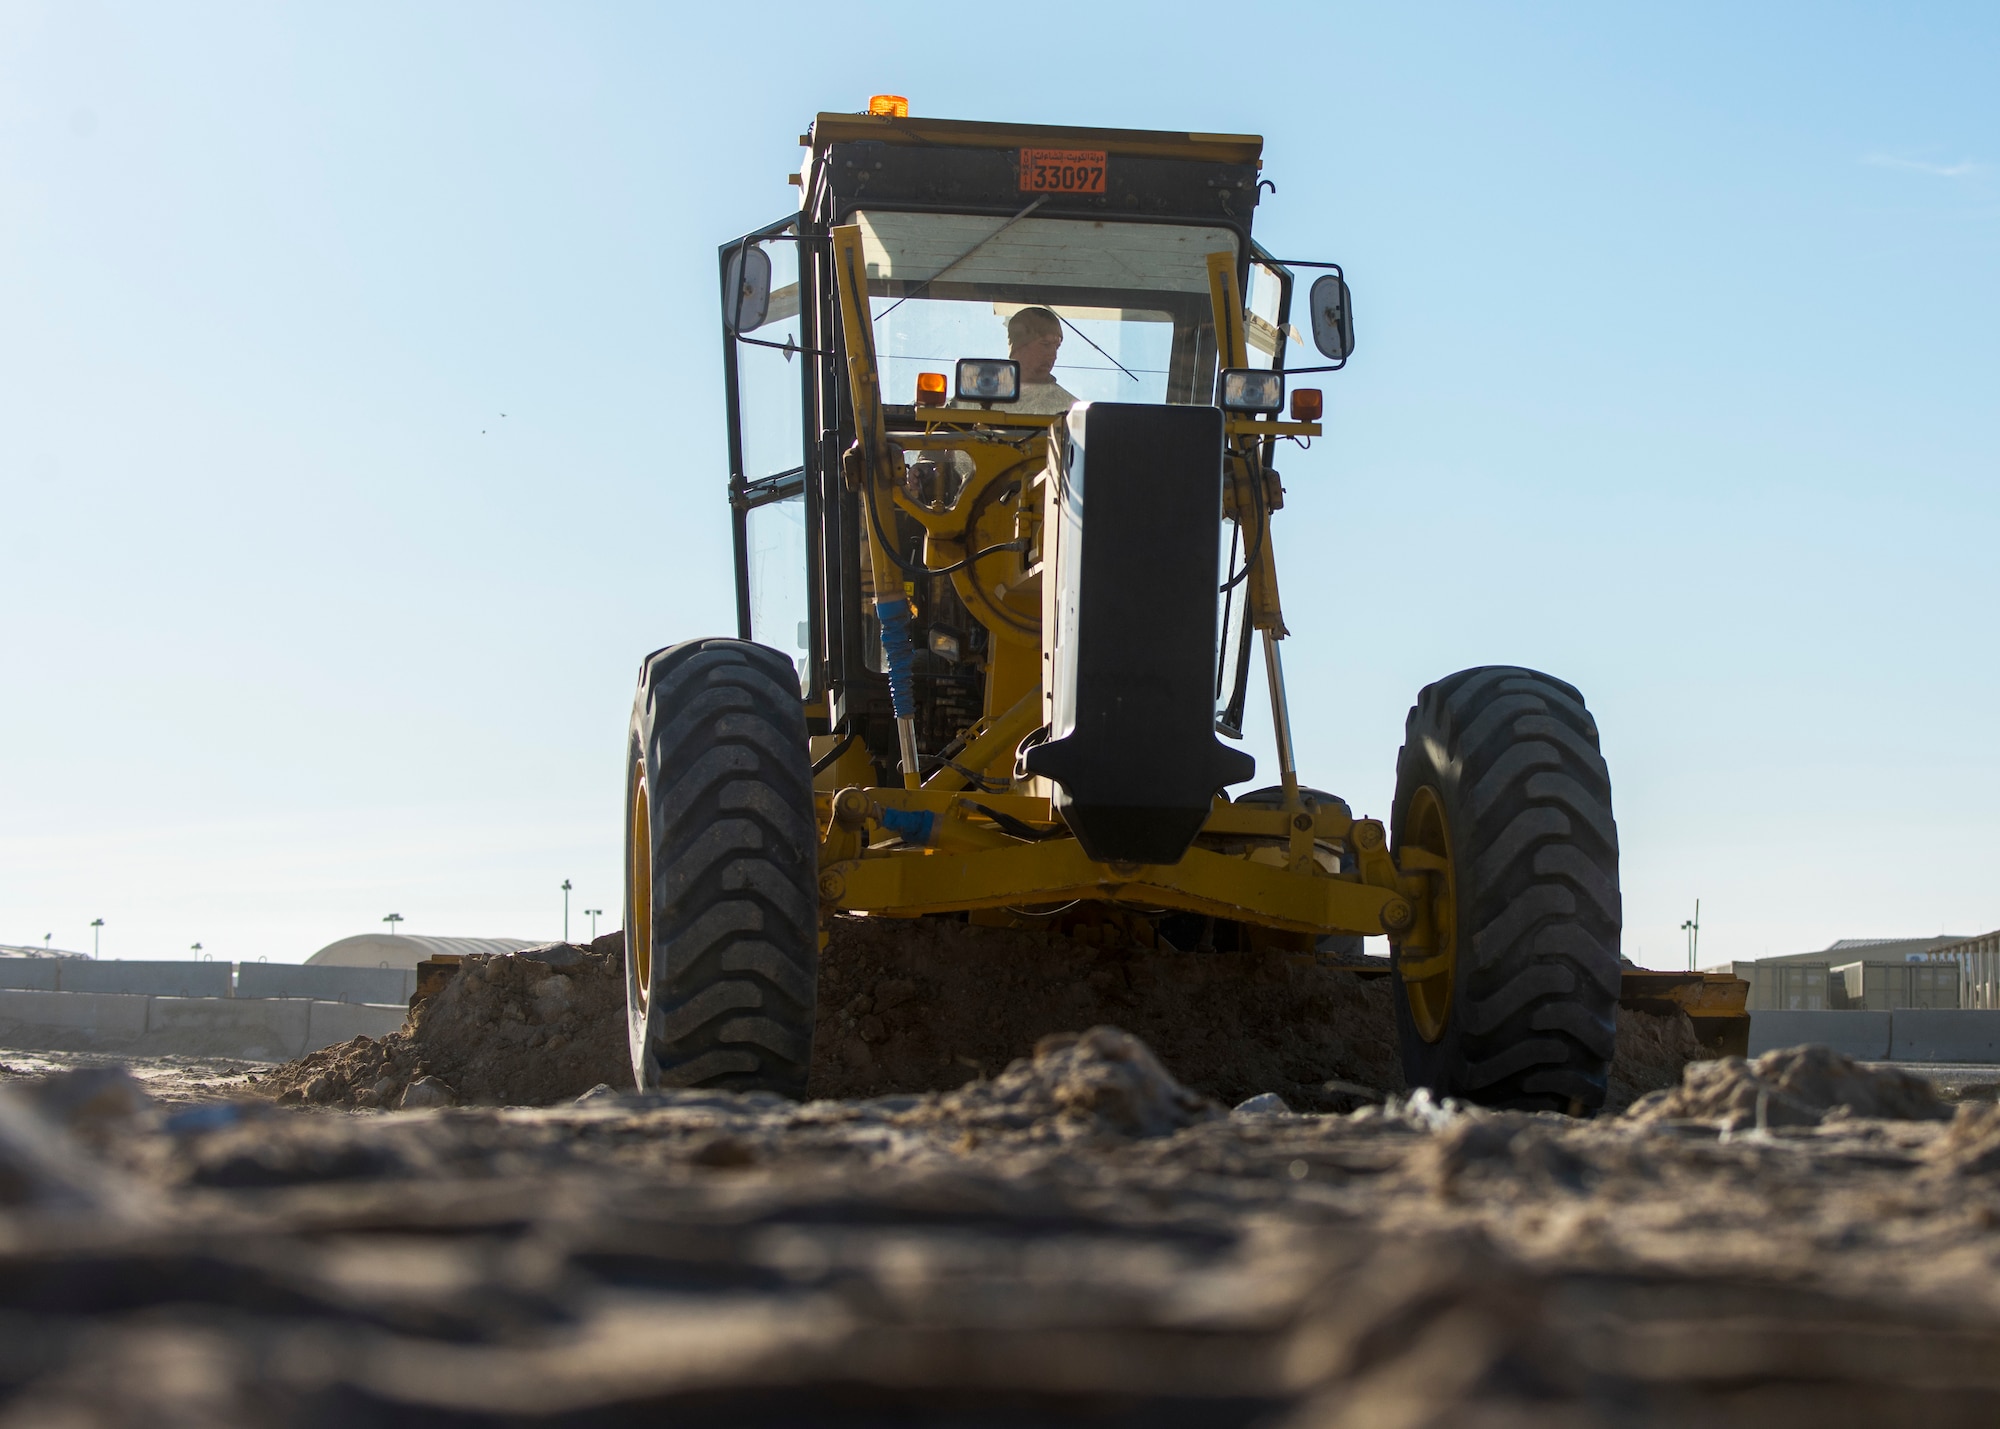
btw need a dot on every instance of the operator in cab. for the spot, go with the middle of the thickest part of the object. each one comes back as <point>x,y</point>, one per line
<point>1034,337</point>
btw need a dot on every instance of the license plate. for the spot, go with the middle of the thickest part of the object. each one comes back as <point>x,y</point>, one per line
<point>1062,171</point>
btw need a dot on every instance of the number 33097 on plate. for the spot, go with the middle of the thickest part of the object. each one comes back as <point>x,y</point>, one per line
<point>1062,171</point>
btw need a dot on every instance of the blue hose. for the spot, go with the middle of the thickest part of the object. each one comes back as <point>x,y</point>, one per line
<point>912,826</point>
<point>894,616</point>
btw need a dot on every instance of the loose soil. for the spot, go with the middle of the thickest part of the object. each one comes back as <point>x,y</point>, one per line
<point>1079,1240</point>
<point>928,1005</point>
<point>1650,1054</point>
<point>522,1029</point>
<point>1793,1086</point>
<point>172,1081</point>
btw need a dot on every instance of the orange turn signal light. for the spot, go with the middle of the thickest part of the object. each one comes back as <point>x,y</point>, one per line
<point>889,106</point>
<point>930,389</point>
<point>1307,404</point>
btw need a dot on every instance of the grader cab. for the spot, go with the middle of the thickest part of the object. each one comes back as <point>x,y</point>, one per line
<point>1004,403</point>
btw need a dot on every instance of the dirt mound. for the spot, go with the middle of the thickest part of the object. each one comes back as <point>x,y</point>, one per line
<point>1794,1086</point>
<point>1105,1084</point>
<point>905,1006</point>
<point>521,1029</point>
<point>1652,1051</point>
<point>930,1005</point>
<point>912,1006</point>
<point>1971,1145</point>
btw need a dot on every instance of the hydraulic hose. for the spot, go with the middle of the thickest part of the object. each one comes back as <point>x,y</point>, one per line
<point>898,654</point>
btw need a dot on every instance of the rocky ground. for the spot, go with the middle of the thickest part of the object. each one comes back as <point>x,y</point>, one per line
<point>1080,1239</point>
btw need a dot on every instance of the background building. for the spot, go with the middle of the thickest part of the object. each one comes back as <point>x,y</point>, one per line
<point>1978,961</point>
<point>1858,973</point>
<point>406,950</point>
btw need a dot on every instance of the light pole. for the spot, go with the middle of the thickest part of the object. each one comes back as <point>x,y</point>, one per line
<point>45,941</point>
<point>594,913</point>
<point>392,920</point>
<point>1693,929</point>
<point>195,948</point>
<point>565,910</point>
<point>96,926</point>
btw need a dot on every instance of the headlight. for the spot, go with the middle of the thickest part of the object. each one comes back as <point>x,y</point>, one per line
<point>1251,389</point>
<point>989,379</point>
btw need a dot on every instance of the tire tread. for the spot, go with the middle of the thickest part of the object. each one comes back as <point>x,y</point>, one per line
<point>1534,1019</point>
<point>720,726</point>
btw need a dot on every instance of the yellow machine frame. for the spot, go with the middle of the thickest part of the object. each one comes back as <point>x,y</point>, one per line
<point>1276,870</point>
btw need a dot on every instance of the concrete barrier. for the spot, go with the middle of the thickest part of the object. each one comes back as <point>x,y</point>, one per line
<point>381,985</point>
<point>1907,1034</point>
<point>36,973</point>
<point>261,1029</point>
<point>264,1030</point>
<point>333,1022</point>
<point>161,979</point>
<point>1945,1034</point>
<point>71,1021</point>
<point>1859,1034</point>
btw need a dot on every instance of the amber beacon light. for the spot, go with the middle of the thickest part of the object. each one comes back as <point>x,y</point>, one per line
<point>890,106</point>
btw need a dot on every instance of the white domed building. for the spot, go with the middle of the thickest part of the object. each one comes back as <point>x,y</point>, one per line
<point>406,950</point>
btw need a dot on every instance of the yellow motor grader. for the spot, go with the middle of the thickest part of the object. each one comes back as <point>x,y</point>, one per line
<point>1003,407</point>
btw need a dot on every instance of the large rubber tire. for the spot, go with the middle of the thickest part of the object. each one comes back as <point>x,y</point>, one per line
<point>721,872</point>
<point>1511,758</point>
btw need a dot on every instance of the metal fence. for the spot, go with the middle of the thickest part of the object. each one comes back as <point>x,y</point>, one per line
<point>1978,962</point>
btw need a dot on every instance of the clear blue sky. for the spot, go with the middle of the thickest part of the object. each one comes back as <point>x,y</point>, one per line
<point>1676,377</point>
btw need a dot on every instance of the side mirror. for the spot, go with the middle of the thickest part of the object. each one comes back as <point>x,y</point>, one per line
<point>1333,317</point>
<point>746,289</point>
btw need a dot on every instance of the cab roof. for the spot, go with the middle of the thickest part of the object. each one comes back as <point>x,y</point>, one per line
<point>828,129</point>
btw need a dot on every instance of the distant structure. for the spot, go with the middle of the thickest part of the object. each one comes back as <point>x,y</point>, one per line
<point>1874,950</point>
<point>406,950</point>
<point>1978,962</point>
<point>1855,973</point>
<point>22,950</point>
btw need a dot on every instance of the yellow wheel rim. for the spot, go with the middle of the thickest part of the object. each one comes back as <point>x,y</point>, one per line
<point>1428,956</point>
<point>639,878</point>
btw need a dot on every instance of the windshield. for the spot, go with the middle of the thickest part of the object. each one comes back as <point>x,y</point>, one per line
<point>1132,301</point>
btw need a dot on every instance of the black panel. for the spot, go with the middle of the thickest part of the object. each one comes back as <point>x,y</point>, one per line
<point>1133,744</point>
<point>971,180</point>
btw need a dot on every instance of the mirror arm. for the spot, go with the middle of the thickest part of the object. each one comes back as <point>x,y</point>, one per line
<point>784,346</point>
<point>742,246</point>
